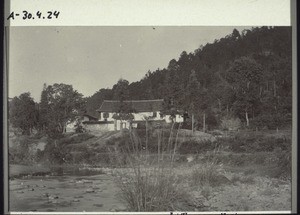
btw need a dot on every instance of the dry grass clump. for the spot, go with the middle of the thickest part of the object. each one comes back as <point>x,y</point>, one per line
<point>147,183</point>
<point>149,189</point>
<point>249,179</point>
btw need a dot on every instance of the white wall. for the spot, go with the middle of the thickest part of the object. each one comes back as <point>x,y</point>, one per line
<point>178,118</point>
<point>137,116</point>
<point>143,115</point>
<point>99,127</point>
<point>85,118</point>
<point>70,127</point>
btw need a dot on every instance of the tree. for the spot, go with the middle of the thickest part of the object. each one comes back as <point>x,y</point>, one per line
<point>120,90</point>
<point>192,96</point>
<point>245,75</point>
<point>63,104</point>
<point>23,113</point>
<point>121,93</point>
<point>94,102</point>
<point>43,109</point>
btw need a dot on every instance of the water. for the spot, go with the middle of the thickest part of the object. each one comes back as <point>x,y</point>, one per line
<point>64,189</point>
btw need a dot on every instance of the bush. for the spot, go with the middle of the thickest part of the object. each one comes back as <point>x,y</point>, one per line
<point>195,147</point>
<point>79,128</point>
<point>251,142</point>
<point>281,163</point>
<point>20,152</point>
<point>55,153</point>
<point>230,123</point>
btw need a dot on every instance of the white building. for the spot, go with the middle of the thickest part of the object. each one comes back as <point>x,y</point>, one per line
<point>140,111</point>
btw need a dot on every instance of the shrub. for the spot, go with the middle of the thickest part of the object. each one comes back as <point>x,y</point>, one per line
<point>252,142</point>
<point>79,127</point>
<point>55,153</point>
<point>230,123</point>
<point>195,147</point>
<point>21,152</point>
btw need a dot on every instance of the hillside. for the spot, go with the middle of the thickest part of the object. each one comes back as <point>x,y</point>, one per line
<point>245,75</point>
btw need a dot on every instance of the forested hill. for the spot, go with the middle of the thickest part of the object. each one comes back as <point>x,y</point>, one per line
<point>244,76</point>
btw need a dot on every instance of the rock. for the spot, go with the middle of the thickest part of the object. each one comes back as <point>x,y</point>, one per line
<point>75,200</point>
<point>50,210</point>
<point>46,194</point>
<point>77,197</point>
<point>90,191</point>
<point>190,158</point>
<point>20,191</point>
<point>206,204</point>
<point>53,197</point>
<point>220,180</point>
<point>98,205</point>
<point>32,189</point>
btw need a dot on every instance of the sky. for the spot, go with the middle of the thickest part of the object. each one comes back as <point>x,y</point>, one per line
<point>91,58</point>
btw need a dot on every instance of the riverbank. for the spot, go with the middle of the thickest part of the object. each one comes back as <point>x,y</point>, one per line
<point>243,172</point>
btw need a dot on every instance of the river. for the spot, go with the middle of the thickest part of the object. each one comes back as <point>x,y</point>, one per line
<point>73,191</point>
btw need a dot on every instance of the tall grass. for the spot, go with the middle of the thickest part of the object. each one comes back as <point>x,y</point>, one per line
<point>147,182</point>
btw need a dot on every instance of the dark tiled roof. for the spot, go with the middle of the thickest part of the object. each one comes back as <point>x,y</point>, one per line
<point>132,105</point>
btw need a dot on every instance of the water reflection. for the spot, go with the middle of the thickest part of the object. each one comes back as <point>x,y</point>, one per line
<point>73,171</point>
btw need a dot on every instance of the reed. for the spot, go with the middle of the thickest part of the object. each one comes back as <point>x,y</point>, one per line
<point>148,182</point>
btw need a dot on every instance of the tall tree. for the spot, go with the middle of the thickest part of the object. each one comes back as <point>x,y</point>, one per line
<point>192,96</point>
<point>23,113</point>
<point>245,75</point>
<point>63,104</point>
<point>120,90</point>
<point>43,109</point>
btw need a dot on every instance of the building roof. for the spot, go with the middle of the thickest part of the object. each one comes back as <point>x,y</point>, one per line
<point>116,106</point>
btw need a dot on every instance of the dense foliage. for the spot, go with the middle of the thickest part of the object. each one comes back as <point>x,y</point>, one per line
<point>23,113</point>
<point>59,105</point>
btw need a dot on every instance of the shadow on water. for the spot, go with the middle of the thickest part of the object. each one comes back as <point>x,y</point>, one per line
<point>19,171</point>
<point>73,171</point>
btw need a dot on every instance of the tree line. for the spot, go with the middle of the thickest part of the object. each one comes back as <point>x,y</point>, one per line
<point>244,78</point>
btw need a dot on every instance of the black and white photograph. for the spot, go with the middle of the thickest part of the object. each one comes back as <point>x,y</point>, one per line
<point>150,108</point>
<point>153,118</point>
